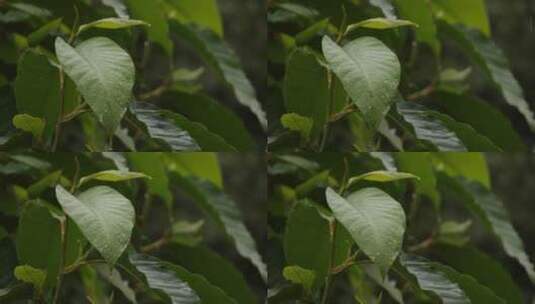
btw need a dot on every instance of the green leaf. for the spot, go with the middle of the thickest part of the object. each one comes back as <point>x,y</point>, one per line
<point>307,240</point>
<point>428,128</point>
<point>306,91</point>
<point>299,275</point>
<point>297,123</point>
<point>202,164</point>
<point>39,243</point>
<point>225,212</point>
<point>152,12</point>
<point>483,117</point>
<point>495,65</point>
<point>112,24</point>
<point>217,270</point>
<point>163,129</point>
<point>370,73</point>
<point>152,164</point>
<point>420,164</point>
<point>471,165</point>
<point>37,90</point>
<point>375,221</point>
<point>455,233</point>
<point>30,124</point>
<point>420,13</point>
<point>205,13</point>
<point>384,281</point>
<point>118,6</point>
<point>104,74</point>
<point>112,176</point>
<point>50,180</point>
<point>41,33</point>
<point>483,268</point>
<point>31,275</point>
<point>380,24</point>
<point>381,176</point>
<point>161,276</point>
<point>225,62</point>
<point>434,280</point>
<point>470,13</point>
<point>114,277</point>
<point>104,216</point>
<point>490,210</point>
<point>217,118</point>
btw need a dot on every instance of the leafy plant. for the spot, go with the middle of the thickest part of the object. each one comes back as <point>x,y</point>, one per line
<point>390,75</point>
<point>389,228</point>
<point>119,228</point>
<point>113,75</point>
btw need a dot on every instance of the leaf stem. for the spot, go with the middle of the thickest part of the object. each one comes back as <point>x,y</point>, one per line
<point>57,133</point>
<point>329,279</point>
<point>63,233</point>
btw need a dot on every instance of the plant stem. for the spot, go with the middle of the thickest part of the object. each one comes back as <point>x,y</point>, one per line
<point>57,134</point>
<point>63,232</point>
<point>329,279</point>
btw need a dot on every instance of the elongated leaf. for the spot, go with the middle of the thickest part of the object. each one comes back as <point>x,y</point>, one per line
<point>381,176</point>
<point>223,59</point>
<point>104,74</point>
<point>160,276</point>
<point>487,120</point>
<point>380,24</point>
<point>41,33</point>
<point>306,91</point>
<point>428,128</point>
<point>420,13</point>
<point>153,13</point>
<point>489,208</point>
<point>483,268</point>
<point>434,280</point>
<point>471,165</point>
<point>217,270</point>
<point>112,24</point>
<point>104,216</point>
<point>307,240</point>
<point>49,181</point>
<point>162,129</point>
<point>369,72</point>
<point>386,7</point>
<point>375,221</point>
<point>470,13</point>
<point>112,176</point>
<point>205,13</point>
<point>495,65</point>
<point>225,212</point>
<point>213,115</point>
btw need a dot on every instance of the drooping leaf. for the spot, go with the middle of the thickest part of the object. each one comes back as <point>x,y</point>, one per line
<point>428,128</point>
<point>375,221</point>
<point>118,6</point>
<point>28,123</point>
<point>494,64</point>
<point>114,277</point>
<point>225,212</point>
<point>483,268</point>
<point>217,270</point>
<point>470,13</point>
<point>153,13</point>
<point>305,88</point>
<point>380,24</point>
<point>112,176</point>
<point>385,282</point>
<point>160,276</point>
<point>104,74</point>
<point>487,120</point>
<point>205,13</point>
<point>225,62</point>
<point>162,129</point>
<point>420,13</point>
<point>381,176</point>
<point>490,210</point>
<point>307,240</point>
<point>104,216</point>
<point>369,72</point>
<point>386,7</point>
<point>152,164</point>
<point>213,115</point>
<point>38,240</point>
<point>112,24</point>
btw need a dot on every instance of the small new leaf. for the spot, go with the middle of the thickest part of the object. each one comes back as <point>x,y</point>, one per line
<point>380,24</point>
<point>112,24</point>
